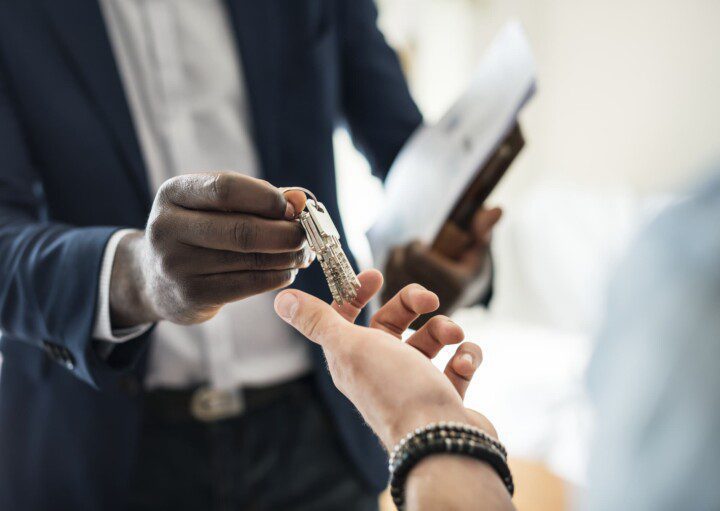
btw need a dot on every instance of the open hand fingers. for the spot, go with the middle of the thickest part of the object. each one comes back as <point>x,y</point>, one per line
<point>370,283</point>
<point>439,331</point>
<point>402,309</point>
<point>462,366</point>
<point>312,317</point>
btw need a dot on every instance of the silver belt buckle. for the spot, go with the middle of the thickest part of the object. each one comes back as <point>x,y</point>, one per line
<point>209,405</point>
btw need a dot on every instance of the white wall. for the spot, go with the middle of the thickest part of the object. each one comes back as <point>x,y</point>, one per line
<point>628,90</point>
<point>627,106</point>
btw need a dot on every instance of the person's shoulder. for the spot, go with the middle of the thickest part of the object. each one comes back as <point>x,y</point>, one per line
<point>675,255</point>
<point>668,282</point>
<point>653,377</point>
<point>682,241</point>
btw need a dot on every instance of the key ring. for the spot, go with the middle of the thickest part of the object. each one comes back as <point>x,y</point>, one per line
<point>324,239</point>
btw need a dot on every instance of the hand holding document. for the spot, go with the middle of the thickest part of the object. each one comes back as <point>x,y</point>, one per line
<point>441,164</point>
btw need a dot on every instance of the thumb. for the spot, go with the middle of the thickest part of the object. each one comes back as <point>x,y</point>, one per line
<point>310,316</point>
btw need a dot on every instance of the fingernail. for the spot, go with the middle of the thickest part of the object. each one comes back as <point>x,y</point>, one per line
<point>468,358</point>
<point>417,290</point>
<point>285,305</point>
<point>289,211</point>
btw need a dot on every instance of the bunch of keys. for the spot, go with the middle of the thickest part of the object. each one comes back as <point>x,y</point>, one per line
<point>324,240</point>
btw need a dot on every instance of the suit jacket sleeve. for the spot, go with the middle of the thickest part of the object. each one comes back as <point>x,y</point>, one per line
<point>48,270</point>
<point>376,101</point>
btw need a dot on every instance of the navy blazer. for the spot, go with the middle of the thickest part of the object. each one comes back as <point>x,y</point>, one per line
<point>71,174</point>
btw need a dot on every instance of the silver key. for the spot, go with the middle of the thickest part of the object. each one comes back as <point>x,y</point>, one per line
<point>324,240</point>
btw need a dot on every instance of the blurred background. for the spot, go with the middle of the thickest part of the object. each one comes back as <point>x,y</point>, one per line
<point>625,120</point>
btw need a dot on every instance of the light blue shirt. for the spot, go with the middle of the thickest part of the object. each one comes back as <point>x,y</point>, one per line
<point>655,376</point>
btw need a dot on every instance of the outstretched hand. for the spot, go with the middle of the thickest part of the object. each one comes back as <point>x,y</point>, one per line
<point>393,384</point>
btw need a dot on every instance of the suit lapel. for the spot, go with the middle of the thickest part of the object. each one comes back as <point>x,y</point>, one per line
<point>80,27</point>
<point>257,29</point>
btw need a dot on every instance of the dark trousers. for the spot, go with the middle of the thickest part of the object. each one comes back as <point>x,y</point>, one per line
<point>283,455</point>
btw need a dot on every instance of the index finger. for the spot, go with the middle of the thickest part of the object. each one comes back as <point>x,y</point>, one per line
<point>229,192</point>
<point>370,283</point>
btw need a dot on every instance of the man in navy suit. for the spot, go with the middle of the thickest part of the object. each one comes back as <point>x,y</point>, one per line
<point>143,366</point>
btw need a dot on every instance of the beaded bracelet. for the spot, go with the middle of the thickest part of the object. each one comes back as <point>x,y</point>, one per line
<point>445,438</point>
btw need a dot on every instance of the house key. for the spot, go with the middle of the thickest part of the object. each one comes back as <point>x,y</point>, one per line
<point>324,240</point>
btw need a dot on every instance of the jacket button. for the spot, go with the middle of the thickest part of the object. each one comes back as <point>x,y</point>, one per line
<point>67,358</point>
<point>69,362</point>
<point>59,354</point>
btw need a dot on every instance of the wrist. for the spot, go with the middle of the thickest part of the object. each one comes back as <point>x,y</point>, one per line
<point>419,417</point>
<point>449,465</point>
<point>450,481</point>
<point>130,303</point>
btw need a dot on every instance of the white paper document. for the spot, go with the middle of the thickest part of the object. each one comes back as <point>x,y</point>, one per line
<point>439,162</point>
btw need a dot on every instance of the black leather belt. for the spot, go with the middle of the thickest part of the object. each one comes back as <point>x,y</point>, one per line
<point>206,404</point>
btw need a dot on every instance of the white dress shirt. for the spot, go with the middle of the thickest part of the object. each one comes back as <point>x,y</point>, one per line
<point>182,76</point>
